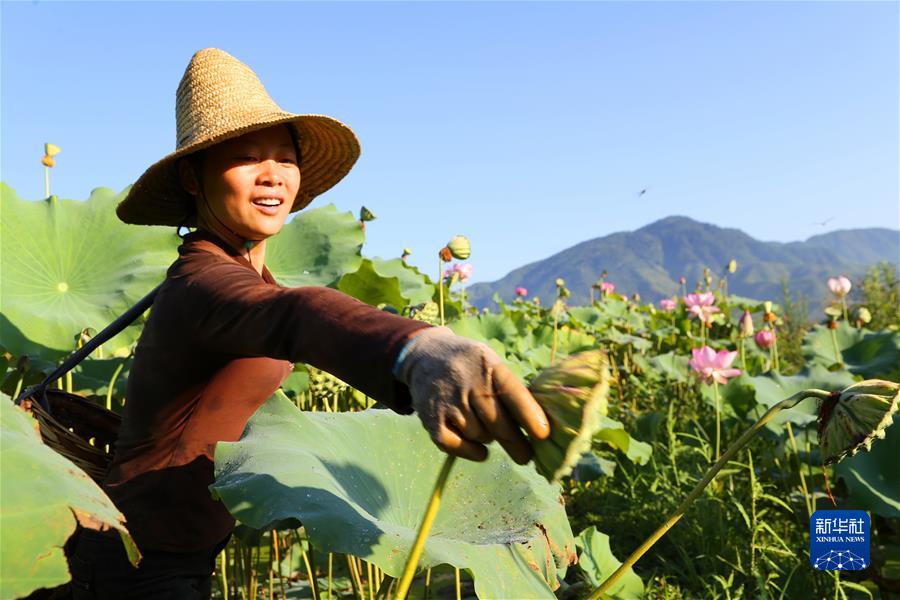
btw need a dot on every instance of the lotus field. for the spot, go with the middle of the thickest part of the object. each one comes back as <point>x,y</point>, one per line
<point>692,436</point>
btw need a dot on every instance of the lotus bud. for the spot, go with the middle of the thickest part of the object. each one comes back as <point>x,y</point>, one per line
<point>747,324</point>
<point>636,297</point>
<point>406,252</point>
<point>459,247</point>
<point>682,280</point>
<point>839,286</point>
<point>520,291</point>
<point>572,392</point>
<point>365,214</point>
<point>603,274</point>
<point>732,266</point>
<point>863,315</point>
<point>851,419</point>
<point>48,161</point>
<point>765,338</point>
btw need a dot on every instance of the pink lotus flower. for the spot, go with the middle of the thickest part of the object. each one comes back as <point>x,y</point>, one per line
<point>839,286</point>
<point>701,305</point>
<point>607,287</point>
<point>464,271</point>
<point>520,291</point>
<point>765,338</point>
<point>713,366</point>
<point>667,304</point>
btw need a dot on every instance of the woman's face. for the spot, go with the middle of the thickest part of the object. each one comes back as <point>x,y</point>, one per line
<point>242,175</point>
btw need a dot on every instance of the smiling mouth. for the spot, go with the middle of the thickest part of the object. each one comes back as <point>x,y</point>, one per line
<point>268,202</point>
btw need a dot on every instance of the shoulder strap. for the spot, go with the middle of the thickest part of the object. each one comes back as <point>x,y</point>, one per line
<point>39,391</point>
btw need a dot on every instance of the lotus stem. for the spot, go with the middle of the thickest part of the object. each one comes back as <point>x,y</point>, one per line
<point>553,348</point>
<point>46,181</point>
<point>775,358</point>
<point>441,286</point>
<point>112,383</point>
<point>458,587</point>
<point>834,344</point>
<point>278,562</point>
<point>19,385</point>
<point>427,521</point>
<point>844,308</point>
<point>718,417</point>
<point>427,582</point>
<point>224,556</point>
<point>330,564</point>
<point>695,493</point>
<point>355,579</point>
<point>370,580</point>
<point>309,570</point>
<point>743,354</point>
<point>790,431</point>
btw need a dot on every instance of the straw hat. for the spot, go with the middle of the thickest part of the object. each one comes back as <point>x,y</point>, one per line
<point>219,98</point>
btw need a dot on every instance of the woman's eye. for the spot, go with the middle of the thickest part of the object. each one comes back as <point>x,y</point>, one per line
<point>248,158</point>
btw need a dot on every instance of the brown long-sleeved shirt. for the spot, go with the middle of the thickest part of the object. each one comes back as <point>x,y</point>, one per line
<point>220,339</point>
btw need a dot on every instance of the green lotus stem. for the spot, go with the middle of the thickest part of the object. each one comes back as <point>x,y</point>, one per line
<point>790,431</point>
<point>775,358</point>
<point>427,582</point>
<point>354,577</point>
<point>844,308</point>
<point>427,521</point>
<point>224,555</point>
<point>330,557</point>
<point>834,344</point>
<point>385,586</point>
<point>441,286</point>
<point>112,383</point>
<point>695,493</point>
<point>743,354</point>
<point>553,347</point>
<point>369,581</point>
<point>309,570</point>
<point>69,381</point>
<point>277,563</point>
<point>458,588</point>
<point>718,416</point>
<point>19,385</point>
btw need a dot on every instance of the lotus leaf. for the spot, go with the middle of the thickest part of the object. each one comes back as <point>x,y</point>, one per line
<point>613,433</point>
<point>359,483</point>
<point>873,477</point>
<point>68,265</point>
<point>316,247</point>
<point>772,388</point>
<point>391,282</point>
<point>874,355</point>
<point>598,562</point>
<point>41,497</point>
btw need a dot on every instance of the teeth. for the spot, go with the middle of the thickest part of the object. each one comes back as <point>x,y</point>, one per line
<point>268,201</point>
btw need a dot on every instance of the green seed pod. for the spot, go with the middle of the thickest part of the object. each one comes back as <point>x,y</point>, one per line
<point>863,315</point>
<point>459,247</point>
<point>366,215</point>
<point>851,419</point>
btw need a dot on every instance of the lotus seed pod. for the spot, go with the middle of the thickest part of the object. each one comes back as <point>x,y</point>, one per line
<point>732,266</point>
<point>429,312</point>
<point>459,247</point>
<point>863,315</point>
<point>445,254</point>
<point>365,214</point>
<point>48,161</point>
<point>851,419</point>
<point>572,392</point>
<point>51,149</point>
<point>767,306</point>
<point>832,324</point>
<point>560,282</point>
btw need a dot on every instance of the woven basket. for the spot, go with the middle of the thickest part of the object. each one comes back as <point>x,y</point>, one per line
<point>79,429</point>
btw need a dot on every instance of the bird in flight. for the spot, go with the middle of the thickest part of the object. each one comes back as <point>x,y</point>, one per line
<point>642,192</point>
<point>825,222</point>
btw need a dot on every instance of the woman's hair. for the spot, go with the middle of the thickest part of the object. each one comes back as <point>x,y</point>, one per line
<point>197,159</point>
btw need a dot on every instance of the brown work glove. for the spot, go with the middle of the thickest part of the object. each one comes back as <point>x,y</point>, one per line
<point>466,396</point>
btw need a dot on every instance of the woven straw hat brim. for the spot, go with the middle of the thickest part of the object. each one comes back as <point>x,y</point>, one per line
<point>328,148</point>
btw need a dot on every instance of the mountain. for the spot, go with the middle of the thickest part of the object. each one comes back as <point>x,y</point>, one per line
<point>650,261</point>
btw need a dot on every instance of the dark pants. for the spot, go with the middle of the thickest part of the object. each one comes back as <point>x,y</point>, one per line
<point>101,571</point>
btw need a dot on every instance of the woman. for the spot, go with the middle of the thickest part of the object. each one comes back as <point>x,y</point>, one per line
<point>222,334</point>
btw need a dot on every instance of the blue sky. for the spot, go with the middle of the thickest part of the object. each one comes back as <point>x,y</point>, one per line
<point>528,127</point>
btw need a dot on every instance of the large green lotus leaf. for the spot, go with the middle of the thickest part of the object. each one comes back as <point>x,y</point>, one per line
<point>772,388</point>
<point>671,366</point>
<point>613,433</point>
<point>391,282</point>
<point>598,562</point>
<point>42,495</point>
<point>486,327</point>
<point>873,477</point>
<point>874,355</point>
<point>359,483</point>
<point>68,265</point>
<point>317,247</point>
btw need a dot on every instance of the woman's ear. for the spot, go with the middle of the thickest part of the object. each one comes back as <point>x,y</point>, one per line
<point>187,177</point>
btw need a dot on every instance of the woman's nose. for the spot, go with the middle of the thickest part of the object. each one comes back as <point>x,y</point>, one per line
<point>269,172</point>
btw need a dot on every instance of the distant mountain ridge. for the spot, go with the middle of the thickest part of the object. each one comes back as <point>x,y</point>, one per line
<point>650,260</point>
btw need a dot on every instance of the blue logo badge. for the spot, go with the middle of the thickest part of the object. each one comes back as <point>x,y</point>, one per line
<point>839,540</point>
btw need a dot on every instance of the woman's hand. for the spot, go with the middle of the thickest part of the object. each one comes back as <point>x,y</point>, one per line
<point>466,396</point>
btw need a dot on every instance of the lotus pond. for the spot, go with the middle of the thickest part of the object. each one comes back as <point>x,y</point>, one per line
<point>330,489</point>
